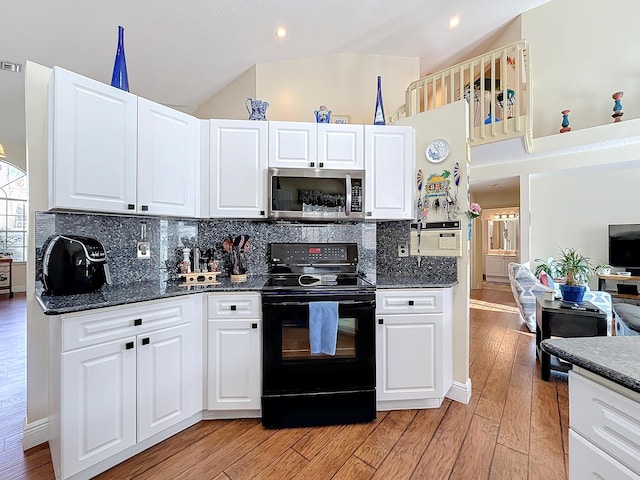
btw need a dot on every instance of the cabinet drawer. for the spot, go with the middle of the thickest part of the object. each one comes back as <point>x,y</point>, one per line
<point>85,329</point>
<point>409,301</point>
<point>608,419</point>
<point>587,461</point>
<point>236,305</point>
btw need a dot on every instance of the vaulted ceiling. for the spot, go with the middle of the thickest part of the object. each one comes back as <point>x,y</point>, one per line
<point>182,53</point>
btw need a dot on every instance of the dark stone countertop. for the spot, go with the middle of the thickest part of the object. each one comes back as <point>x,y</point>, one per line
<point>112,295</point>
<point>614,358</point>
<point>411,282</point>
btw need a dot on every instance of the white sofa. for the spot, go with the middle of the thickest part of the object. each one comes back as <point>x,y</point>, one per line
<point>525,287</point>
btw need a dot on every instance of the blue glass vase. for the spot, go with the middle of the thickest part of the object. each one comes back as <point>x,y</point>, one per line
<point>119,78</point>
<point>378,118</point>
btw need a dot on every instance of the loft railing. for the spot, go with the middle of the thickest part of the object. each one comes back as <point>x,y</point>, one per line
<point>497,86</point>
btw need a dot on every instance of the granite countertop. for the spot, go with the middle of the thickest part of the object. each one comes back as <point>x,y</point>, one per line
<point>614,358</point>
<point>411,282</point>
<point>122,294</point>
<point>112,295</point>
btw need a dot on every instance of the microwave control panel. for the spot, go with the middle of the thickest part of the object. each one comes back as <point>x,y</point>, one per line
<point>356,195</point>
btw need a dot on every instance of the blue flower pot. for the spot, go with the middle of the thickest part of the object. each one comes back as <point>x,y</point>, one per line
<point>573,293</point>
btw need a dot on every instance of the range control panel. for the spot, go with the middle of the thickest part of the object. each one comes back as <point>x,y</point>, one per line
<point>291,254</point>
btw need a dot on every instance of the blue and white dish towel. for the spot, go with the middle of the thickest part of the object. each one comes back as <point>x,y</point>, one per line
<point>323,327</point>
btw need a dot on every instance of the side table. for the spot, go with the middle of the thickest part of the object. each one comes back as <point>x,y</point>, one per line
<point>6,266</point>
<point>552,320</point>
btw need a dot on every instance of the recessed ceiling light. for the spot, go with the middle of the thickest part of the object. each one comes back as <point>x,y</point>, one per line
<point>281,32</point>
<point>453,23</point>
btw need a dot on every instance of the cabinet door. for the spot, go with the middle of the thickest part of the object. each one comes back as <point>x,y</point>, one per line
<point>292,145</point>
<point>238,169</point>
<point>340,146</point>
<point>165,380</point>
<point>389,154</point>
<point>93,142</point>
<point>588,461</point>
<point>98,409</point>
<point>409,357</point>
<point>168,160</point>
<point>234,365</point>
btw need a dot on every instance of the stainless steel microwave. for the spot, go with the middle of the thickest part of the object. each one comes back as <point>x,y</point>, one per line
<point>316,194</point>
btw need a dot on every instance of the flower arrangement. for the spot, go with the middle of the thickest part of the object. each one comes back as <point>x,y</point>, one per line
<point>474,211</point>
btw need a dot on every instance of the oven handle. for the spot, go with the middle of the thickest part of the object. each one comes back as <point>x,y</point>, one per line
<point>345,302</point>
<point>347,208</point>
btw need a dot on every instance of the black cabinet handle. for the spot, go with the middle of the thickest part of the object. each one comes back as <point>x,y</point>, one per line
<point>321,164</point>
<point>145,208</point>
<point>131,206</point>
<point>261,212</point>
<point>233,308</point>
<point>129,345</point>
<point>380,321</point>
<point>137,322</point>
<point>146,341</point>
<point>254,325</point>
<point>312,164</point>
<point>410,302</point>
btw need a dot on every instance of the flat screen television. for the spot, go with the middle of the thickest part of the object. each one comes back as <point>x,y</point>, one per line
<point>624,246</point>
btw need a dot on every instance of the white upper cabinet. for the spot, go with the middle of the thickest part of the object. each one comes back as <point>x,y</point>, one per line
<point>292,144</point>
<point>238,169</point>
<point>315,145</point>
<point>168,160</point>
<point>110,151</point>
<point>340,146</point>
<point>92,144</point>
<point>390,164</point>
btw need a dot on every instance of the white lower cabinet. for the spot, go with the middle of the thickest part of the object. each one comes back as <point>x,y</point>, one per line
<point>604,435</point>
<point>413,348</point>
<point>234,355</point>
<point>119,377</point>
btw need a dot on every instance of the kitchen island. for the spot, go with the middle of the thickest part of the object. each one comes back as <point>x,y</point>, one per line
<point>604,405</point>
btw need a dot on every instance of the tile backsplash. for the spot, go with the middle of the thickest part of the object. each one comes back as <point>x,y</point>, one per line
<point>377,244</point>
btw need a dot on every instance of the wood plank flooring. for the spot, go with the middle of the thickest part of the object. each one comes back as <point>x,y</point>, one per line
<point>515,426</point>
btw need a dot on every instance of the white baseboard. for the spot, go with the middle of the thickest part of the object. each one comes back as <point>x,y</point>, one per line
<point>35,433</point>
<point>460,392</point>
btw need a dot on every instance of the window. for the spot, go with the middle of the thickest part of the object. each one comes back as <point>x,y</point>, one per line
<point>14,193</point>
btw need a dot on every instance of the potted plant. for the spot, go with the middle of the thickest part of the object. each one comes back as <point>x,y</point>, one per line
<point>602,269</point>
<point>551,268</point>
<point>577,270</point>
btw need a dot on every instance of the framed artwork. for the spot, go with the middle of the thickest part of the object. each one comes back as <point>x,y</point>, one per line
<point>343,119</point>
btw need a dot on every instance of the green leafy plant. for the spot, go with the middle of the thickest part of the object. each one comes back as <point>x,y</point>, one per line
<point>602,269</point>
<point>574,266</point>
<point>550,266</point>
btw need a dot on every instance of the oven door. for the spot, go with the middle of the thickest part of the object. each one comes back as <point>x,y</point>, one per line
<point>288,364</point>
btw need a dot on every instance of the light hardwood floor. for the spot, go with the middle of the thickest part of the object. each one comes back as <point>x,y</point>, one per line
<point>515,426</point>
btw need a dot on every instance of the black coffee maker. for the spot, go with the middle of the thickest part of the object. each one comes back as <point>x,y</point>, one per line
<point>74,264</point>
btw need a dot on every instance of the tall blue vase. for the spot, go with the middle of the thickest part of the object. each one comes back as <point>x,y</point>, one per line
<point>119,78</point>
<point>378,118</point>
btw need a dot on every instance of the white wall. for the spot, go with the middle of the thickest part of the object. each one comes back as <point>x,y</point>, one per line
<point>229,103</point>
<point>573,209</point>
<point>345,83</point>
<point>36,79</point>
<point>449,122</point>
<point>582,51</point>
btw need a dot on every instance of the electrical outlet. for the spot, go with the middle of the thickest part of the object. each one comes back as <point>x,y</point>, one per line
<point>403,250</point>
<point>144,250</point>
